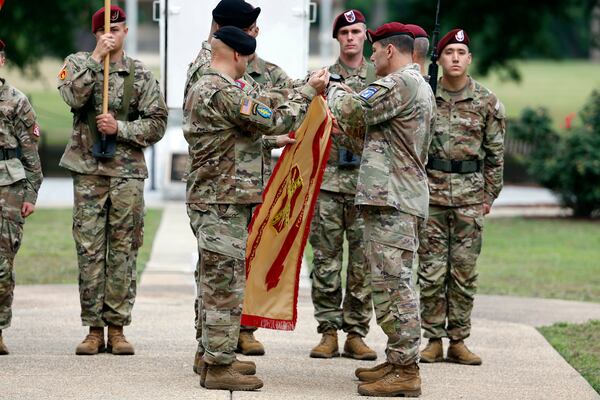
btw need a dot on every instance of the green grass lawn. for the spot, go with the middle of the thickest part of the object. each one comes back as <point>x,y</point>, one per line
<point>579,344</point>
<point>552,258</point>
<point>54,116</point>
<point>47,255</point>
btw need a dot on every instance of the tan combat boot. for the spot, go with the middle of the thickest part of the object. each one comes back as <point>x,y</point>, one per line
<point>403,380</point>
<point>225,377</point>
<point>243,367</point>
<point>117,342</point>
<point>433,352</point>
<point>356,348</point>
<point>375,373</point>
<point>460,354</point>
<point>3,348</point>
<point>328,347</point>
<point>93,342</point>
<point>248,345</point>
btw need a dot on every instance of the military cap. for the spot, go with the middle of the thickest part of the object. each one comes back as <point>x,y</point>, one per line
<point>417,31</point>
<point>454,36</point>
<point>2,45</point>
<point>388,30</point>
<point>346,18</point>
<point>237,39</point>
<point>117,14</point>
<point>235,13</point>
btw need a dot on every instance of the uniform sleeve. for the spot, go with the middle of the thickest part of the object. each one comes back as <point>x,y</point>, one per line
<point>493,145</point>
<point>28,132</point>
<point>151,125</point>
<point>76,80</point>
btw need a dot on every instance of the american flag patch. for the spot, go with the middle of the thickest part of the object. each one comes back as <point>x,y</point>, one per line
<point>246,107</point>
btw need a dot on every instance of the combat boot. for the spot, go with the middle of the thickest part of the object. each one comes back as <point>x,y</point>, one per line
<point>328,347</point>
<point>356,348</point>
<point>433,352</point>
<point>403,380</point>
<point>3,348</point>
<point>225,377</point>
<point>460,354</point>
<point>117,342</point>
<point>243,367</point>
<point>93,342</point>
<point>248,345</point>
<point>375,373</point>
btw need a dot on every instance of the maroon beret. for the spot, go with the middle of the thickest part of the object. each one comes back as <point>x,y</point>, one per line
<point>417,31</point>
<point>117,14</point>
<point>388,30</point>
<point>454,36</point>
<point>346,18</point>
<point>2,45</point>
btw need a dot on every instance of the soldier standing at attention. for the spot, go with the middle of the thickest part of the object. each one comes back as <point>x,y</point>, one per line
<point>20,180</point>
<point>108,214</point>
<point>397,113</point>
<point>466,160</point>
<point>336,214</point>
<point>224,128</point>
<point>421,47</point>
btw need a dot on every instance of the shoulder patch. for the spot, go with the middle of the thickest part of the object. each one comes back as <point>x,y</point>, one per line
<point>36,130</point>
<point>368,92</point>
<point>63,73</point>
<point>263,111</point>
<point>247,106</point>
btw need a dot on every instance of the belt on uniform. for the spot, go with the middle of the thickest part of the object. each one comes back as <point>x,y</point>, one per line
<point>7,154</point>
<point>455,166</point>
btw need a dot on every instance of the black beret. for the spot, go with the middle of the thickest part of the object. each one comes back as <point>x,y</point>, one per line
<point>237,39</point>
<point>235,13</point>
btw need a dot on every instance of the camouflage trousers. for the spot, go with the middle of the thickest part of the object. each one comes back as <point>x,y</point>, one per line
<point>450,244</point>
<point>221,232</point>
<point>390,247</point>
<point>11,233</point>
<point>108,223</point>
<point>335,213</point>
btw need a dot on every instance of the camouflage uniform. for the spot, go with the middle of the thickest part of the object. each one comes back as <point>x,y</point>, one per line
<point>398,113</point>
<point>335,213</point>
<point>223,127</point>
<point>109,203</point>
<point>20,180</point>
<point>469,126</point>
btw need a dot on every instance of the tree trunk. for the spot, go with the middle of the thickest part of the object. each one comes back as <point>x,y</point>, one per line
<point>595,32</point>
<point>380,13</point>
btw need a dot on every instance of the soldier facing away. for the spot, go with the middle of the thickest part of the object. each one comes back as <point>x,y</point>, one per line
<point>224,128</point>
<point>20,180</point>
<point>108,214</point>
<point>336,214</point>
<point>397,112</point>
<point>465,177</point>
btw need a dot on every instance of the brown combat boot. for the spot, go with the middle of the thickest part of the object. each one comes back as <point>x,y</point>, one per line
<point>117,342</point>
<point>460,354</point>
<point>433,352</point>
<point>3,348</point>
<point>374,373</point>
<point>225,377</point>
<point>243,367</point>
<point>356,348</point>
<point>93,342</point>
<point>328,347</point>
<point>403,380</point>
<point>248,345</point>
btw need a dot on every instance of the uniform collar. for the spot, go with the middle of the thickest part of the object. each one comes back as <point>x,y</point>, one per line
<point>257,67</point>
<point>345,71</point>
<point>211,71</point>
<point>121,66</point>
<point>468,93</point>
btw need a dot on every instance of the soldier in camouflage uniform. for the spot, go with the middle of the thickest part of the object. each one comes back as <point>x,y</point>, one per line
<point>108,214</point>
<point>20,180</point>
<point>421,48</point>
<point>336,214</point>
<point>397,112</point>
<point>465,177</point>
<point>224,128</point>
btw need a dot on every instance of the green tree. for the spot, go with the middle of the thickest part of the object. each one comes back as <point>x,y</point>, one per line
<point>33,29</point>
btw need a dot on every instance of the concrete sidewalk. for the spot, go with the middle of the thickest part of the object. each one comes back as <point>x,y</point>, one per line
<point>518,362</point>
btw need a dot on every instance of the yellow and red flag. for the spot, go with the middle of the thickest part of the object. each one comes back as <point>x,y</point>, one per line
<point>281,224</point>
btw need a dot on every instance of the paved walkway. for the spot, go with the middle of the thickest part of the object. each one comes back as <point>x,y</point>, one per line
<point>518,362</point>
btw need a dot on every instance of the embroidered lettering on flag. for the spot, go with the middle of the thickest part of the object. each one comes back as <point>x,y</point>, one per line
<point>280,225</point>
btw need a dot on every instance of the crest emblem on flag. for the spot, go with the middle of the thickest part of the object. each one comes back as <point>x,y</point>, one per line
<point>460,36</point>
<point>350,16</point>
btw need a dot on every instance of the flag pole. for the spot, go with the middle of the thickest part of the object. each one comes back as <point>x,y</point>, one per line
<point>106,71</point>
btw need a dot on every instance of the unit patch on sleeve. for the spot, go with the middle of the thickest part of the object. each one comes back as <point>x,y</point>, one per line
<point>369,92</point>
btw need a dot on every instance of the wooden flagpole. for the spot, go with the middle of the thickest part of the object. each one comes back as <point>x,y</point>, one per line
<point>106,59</point>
